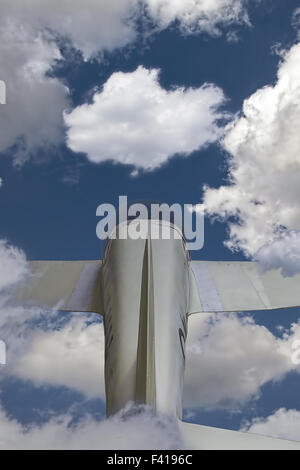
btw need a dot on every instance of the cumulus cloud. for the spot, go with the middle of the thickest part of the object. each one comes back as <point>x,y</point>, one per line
<point>133,120</point>
<point>91,26</point>
<point>138,431</point>
<point>72,356</point>
<point>196,16</point>
<point>283,253</point>
<point>284,424</point>
<point>229,358</point>
<point>263,188</point>
<point>31,120</point>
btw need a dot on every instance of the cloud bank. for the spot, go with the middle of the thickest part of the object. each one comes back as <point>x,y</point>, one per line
<point>263,190</point>
<point>229,359</point>
<point>140,431</point>
<point>72,356</point>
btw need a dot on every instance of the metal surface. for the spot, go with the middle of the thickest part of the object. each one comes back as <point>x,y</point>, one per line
<point>146,296</point>
<point>66,285</point>
<point>199,437</point>
<point>241,286</point>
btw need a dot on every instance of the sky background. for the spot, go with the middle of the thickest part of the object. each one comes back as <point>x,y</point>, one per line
<point>63,152</point>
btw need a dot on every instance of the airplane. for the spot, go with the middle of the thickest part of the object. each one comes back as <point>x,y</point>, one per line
<point>146,289</point>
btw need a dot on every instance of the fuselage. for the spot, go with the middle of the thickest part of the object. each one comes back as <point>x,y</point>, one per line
<point>146,295</point>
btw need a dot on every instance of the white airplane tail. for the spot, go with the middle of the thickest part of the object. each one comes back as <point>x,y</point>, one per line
<point>146,289</point>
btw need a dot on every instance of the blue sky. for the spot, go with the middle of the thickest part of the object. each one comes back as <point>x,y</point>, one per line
<point>49,192</point>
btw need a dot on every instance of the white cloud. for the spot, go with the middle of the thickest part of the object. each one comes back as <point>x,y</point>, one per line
<point>140,431</point>
<point>13,265</point>
<point>196,16</point>
<point>229,358</point>
<point>32,115</point>
<point>283,253</point>
<point>133,120</point>
<point>72,356</point>
<point>284,424</point>
<point>91,26</point>
<point>263,188</point>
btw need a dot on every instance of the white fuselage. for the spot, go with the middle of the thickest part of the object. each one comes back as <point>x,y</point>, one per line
<point>146,295</point>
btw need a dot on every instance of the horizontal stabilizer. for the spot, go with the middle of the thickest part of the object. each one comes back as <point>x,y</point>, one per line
<point>221,286</point>
<point>199,437</point>
<point>67,285</point>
